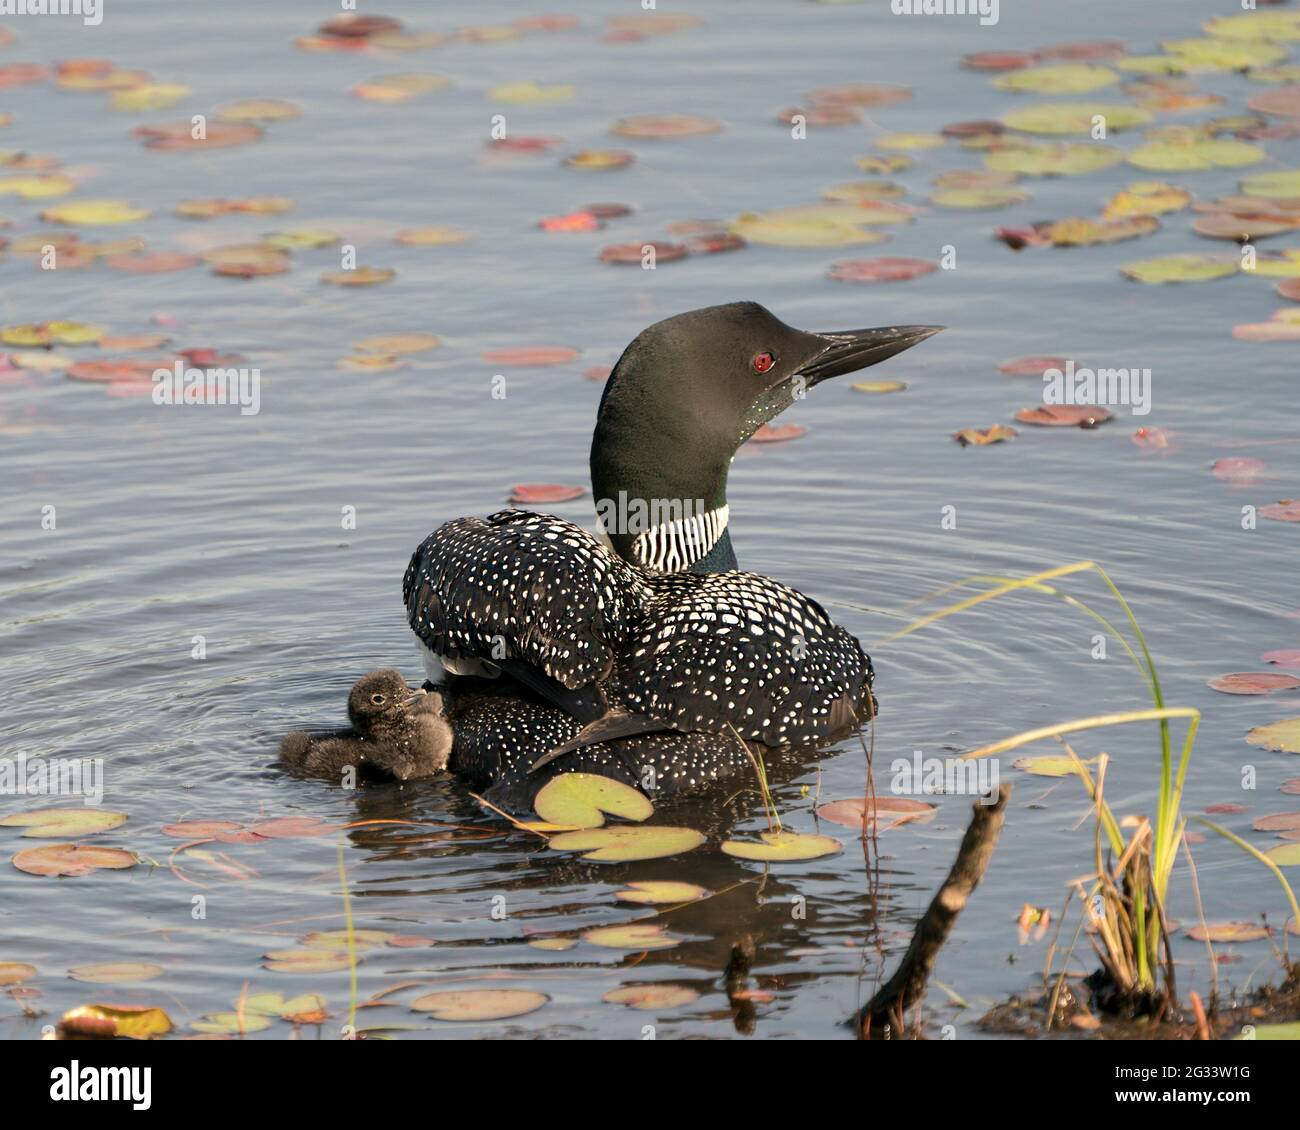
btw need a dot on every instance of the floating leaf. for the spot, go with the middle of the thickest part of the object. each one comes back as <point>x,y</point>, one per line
<point>1241,229</point>
<point>360,276</point>
<point>1065,78</point>
<point>479,1004</point>
<point>149,96</point>
<point>660,891</point>
<point>531,355</point>
<point>980,198</point>
<point>1180,269</point>
<point>1079,231</point>
<point>820,225</point>
<point>891,811</point>
<point>557,944</point>
<point>1283,658</point>
<point>1193,154</point>
<point>116,972</point>
<point>1049,765</point>
<point>1228,932</point>
<point>399,88</point>
<point>106,1021</point>
<point>999,60</point>
<point>879,386</point>
<point>1288,855</point>
<point>15,972</point>
<point>635,253</point>
<point>1277,27</point>
<point>1218,54</point>
<point>533,494</point>
<point>651,996</point>
<point>306,1009</point>
<point>303,239</point>
<point>879,270</point>
<point>982,437</point>
<point>398,343</point>
<point>783,847</point>
<point>439,236</point>
<point>94,212</point>
<point>637,936</point>
<point>909,141</point>
<point>652,126</point>
<point>1284,102</point>
<point>1288,510</point>
<point>1280,183</point>
<point>306,961</point>
<point>627,844</point>
<point>290,827</point>
<point>1064,415</point>
<point>337,940</point>
<point>779,433</point>
<point>199,829</point>
<point>231,1023</point>
<point>258,110</point>
<point>1054,160</point>
<point>173,137</point>
<point>1278,822</point>
<point>529,92</point>
<point>863,94</point>
<point>1033,366</point>
<point>600,159</point>
<point>1074,117</point>
<point>72,860</point>
<point>1283,736</point>
<point>582,800</point>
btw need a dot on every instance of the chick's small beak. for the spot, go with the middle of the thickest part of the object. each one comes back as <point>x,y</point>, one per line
<point>850,350</point>
<point>412,698</point>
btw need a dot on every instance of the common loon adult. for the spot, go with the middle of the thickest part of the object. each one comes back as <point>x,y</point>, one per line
<point>657,632</point>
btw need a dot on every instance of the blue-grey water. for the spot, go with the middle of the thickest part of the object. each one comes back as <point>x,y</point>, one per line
<point>172,524</point>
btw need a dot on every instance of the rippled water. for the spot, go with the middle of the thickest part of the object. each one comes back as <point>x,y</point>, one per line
<point>174,523</point>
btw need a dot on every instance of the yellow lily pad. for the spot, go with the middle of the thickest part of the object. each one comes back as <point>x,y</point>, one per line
<point>15,972</point>
<point>651,996</point>
<point>1146,198</point>
<point>909,141</point>
<point>556,944</point>
<point>1219,54</point>
<point>857,191</point>
<point>139,1022</point>
<point>1283,736</point>
<point>582,799</point>
<point>979,198</point>
<point>62,823</point>
<point>65,860</point>
<point>1180,269</point>
<point>879,386</point>
<point>1065,78</point>
<point>1280,183</point>
<point>337,940</point>
<point>524,92</point>
<point>1288,855</point>
<point>398,343</point>
<point>116,972</point>
<point>1228,932</point>
<point>305,961</point>
<point>149,96</point>
<point>301,239</point>
<point>1049,765</point>
<point>1194,155</point>
<point>635,936</point>
<point>891,163</point>
<point>36,187</point>
<point>258,110</point>
<point>783,847</point>
<point>94,212</point>
<point>479,1004</point>
<point>1074,117</point>
<point>1054,160</point>
<point>624,844</point>
<point>439,236</point>
<point>655,891</point>
<point>231,1023</point>
<point>1274,27</point>
<point>295,1009</point>
<point>361,276</point>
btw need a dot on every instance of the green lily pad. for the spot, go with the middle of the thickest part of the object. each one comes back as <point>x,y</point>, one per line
<point>230,1023</point>
<point>1219,54</point>
<point>1277,264</point>
<point>275,1004</point>
<point>1274,27</point>
<point>336,941</point>
<point>1280,183</point>
<point>979,198</point>
<point>1288,855</point>
<point>305,961</point>
<point>1074,117</point>
<point>581,800</point>
<point>1065,78</point>
<point>1228,932</point>
<point>857,191</point>
<point>624,844</point>
<point>783,847</point>
<point>636,936</point>
<point>479,1004</point>
<point>660,891</point>
<point>61,823</point>
<point>1283,736</point>
<point>1179,269</point>
<point>1054,160</point>
<point>1196,155</point>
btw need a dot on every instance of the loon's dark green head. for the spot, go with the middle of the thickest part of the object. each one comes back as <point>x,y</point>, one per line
<point>683,398</point>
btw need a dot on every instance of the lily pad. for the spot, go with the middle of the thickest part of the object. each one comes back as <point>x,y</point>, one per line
<point>879,386</point>
<point>1283,657</point>
<point>600,159</point>
<point>657,126</point>
<point>1054,160</point>
<point>979,198</point>
<point>1228,932</point>
<point>637,936</point>
<point>1180,269</point>
<point>15,972</point>
<point>72,860</point>
<point>1194,154</point>
<point>106,1021</point>
<point>1283,736</point>
<point>983,437</point>
<point>891,811</point>
<point>1064,415</point>
<point>1253,682</point>
<point>583,799</point>
<point>534,494</point>
<point>258,110</point>
<point>439,236</point>
<point>94,212</point>
<point>651,996</point>
<point>1279,183</point>
<point>656,891</point>
<point>1074,117</point>
<point>231,1023</point>
<point>880,270</point>
<point>1049,765</point>
<point>337,940</point>
<point>1064,78</point>
<point>306,961</point>
<point>532,92</point>
<point>1288,855</point>
<point>479,1004</point>
<point>1278,822</point>
<point>398,343</point>
<point>116,972</point>
<point>627,844</point>
<point>783,847</point>
<point>360,276</point>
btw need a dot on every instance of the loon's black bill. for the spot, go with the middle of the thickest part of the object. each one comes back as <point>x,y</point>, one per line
<point>851,350</point>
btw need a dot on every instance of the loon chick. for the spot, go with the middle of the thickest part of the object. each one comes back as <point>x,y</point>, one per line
<point>659,632</point>
<point>397,734</point>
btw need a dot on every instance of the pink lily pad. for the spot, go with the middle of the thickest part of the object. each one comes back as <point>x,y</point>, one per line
<point>541,493</point>
<point>1253,682</point>
<point>1238,468</point>
<point>529,356</point>
<point>1283,658</point>
<point>1064,415</point>
<point>1032,366</point>
<point>779,434</point>
<point>885,269</point>
<point>1287,510</point>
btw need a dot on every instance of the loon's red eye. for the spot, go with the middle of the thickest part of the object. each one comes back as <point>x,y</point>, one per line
<point>763,362</point>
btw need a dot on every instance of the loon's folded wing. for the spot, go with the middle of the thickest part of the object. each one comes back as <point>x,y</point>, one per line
<point>526,587</point>
<point>741,651</point>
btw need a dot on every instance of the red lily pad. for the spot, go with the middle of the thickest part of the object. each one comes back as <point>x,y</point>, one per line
<point>198,829</point>
<point>1064,415</point>
<point>999,60</point>
<point>635,252</point>
<point>1253,682</point>
<point>827,114</point>
<point>292,827</point>
<point>1291,787</point>
<point>353,25</point>
<point>102,372</point>
<point>1278,822</point>
<point>862,94</point>
<point>543,493</point>
<point>780,434</point>
<point>607,211</point>
<point>524,144</point>
<point>886,269</point>
<point>1032,366</point>
<point>1084,51</point>
<point>72,859</point>
<point>1282,102</point>
<point>531,355</point>
<point>574,221</point>
<point>1238,468</point>
<point>1289,288</point>
<point>714,243</point>
<point>1283,658</point>
<point>153,262</point>
<point>20,74</point>
<point>1287,510</point>
<point>176,136</point>
<point>1228,808</point>
<point>891,811</point>
<point>599,373</point>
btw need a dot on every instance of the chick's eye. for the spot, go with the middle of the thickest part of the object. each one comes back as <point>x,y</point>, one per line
<point>377,699</point>
<point>763,362</point>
